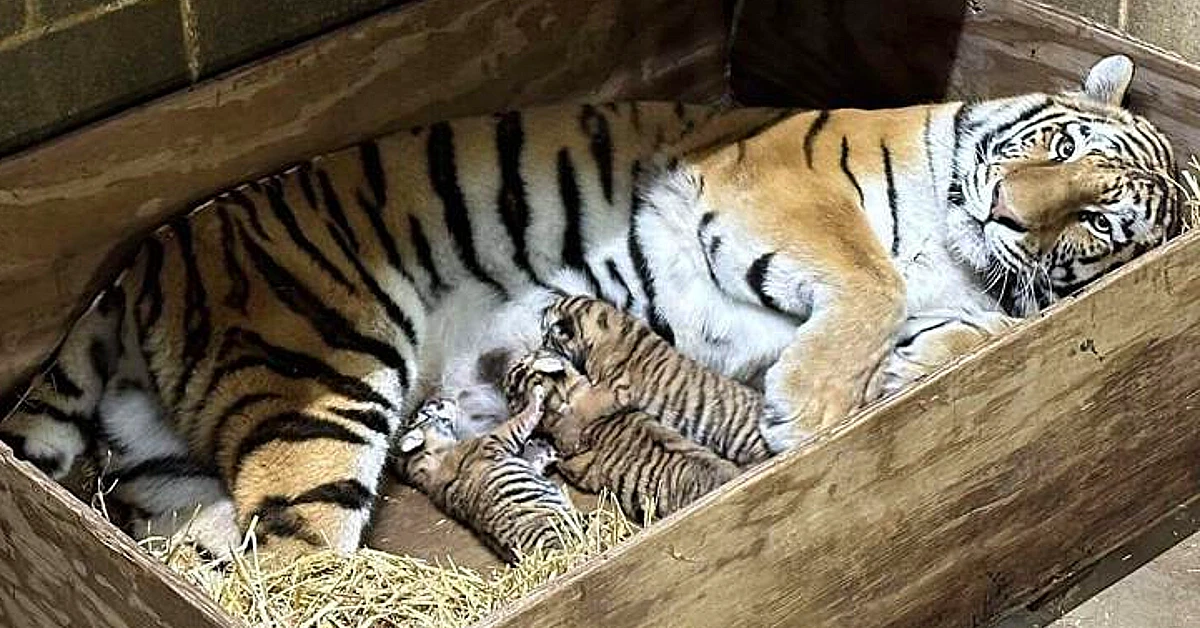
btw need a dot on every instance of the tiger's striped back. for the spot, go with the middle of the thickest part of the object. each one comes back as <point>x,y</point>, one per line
<point>494,483</point>
<point>652,469</point>
<point>619,352</point>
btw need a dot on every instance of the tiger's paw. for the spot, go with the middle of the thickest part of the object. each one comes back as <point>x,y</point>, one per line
<point>50,445</point>
<point>780,432</point>
<point>212,529</point>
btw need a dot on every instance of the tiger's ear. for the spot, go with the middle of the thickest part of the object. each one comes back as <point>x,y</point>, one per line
<point>1108,81</point>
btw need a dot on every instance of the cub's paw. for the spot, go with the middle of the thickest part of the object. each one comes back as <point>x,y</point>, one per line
<point>539,453</point>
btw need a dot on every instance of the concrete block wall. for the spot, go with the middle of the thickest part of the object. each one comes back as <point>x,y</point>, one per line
<point>67,62</point>
<point>1170,24</point>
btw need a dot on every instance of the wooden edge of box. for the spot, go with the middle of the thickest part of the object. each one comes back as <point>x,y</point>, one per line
<point>67,204</point>
<point>964,496</point>
<point>65,565</point>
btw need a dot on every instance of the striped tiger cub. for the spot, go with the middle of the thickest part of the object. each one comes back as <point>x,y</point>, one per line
<point>621,354</point>
<point>602,444</point>
<point>259,354</point>
<point>494,483</point>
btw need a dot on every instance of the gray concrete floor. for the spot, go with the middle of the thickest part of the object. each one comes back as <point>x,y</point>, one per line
<point>1152,582</point>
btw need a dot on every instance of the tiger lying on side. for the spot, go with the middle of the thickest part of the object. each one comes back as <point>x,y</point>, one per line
<point>495,483</point>
<point>602,444</point>
<point>272,340</point>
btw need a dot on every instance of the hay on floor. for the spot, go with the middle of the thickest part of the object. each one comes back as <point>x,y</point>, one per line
<point>373,588</point>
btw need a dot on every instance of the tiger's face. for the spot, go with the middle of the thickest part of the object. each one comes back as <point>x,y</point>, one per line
<point>1054,191</point>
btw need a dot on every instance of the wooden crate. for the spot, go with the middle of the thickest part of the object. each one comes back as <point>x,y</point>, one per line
<point>972,493</point>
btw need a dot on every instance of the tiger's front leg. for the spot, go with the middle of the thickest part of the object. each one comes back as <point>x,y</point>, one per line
<point>805,251</point>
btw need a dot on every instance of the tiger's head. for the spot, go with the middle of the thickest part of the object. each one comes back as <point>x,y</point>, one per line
<point>426,448</point>
<point>574,326</point>
<point>1050,191</point>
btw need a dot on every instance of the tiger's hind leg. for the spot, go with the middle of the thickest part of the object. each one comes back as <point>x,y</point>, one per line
<point>301,441</point>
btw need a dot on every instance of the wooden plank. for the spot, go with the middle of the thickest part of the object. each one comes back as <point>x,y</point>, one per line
<point>406,522</point>
<point>64,206</point>
<point>61,564</point>
<point>967,495</point>
<point>845,53</point>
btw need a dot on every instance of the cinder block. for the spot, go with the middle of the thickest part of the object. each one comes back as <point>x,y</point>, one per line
<point>1105,11</point>
<point>235,31</point>
<point>1172,25</point>
<point>77,74</point>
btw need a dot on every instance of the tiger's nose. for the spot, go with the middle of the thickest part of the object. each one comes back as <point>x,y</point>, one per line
<point>1002,212</point>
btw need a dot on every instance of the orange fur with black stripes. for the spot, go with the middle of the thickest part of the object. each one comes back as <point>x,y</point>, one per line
<point>620,354</point>
<point>494,483</point>
<point>603,444</point>
<point>256,356</point>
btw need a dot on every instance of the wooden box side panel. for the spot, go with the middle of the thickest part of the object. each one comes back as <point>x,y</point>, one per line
<point>64,206</point>
<point>865,53</point>
<point>845,53</point>
<point>62,565</point>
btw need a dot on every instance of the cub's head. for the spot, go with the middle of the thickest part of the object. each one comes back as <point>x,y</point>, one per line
<point>573,326</point>
<point>427,445</point>
<point>1051,191</point>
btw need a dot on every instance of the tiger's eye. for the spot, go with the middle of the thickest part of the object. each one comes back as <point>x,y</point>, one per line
<point>1063,148</point>
<point>1098,221</point>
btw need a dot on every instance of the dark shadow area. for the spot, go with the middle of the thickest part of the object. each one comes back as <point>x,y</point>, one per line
<point>1177,526</point>
<point>845,53</point>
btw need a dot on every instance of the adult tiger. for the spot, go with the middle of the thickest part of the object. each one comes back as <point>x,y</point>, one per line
<point>263,348</point>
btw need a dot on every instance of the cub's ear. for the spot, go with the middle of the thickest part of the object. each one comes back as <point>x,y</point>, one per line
<point>1108,81</point>
<point>411,441</point>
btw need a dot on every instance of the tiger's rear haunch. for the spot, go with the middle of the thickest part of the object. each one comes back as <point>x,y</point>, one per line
<point>619,353</point>
<point>604,445</point>
<point>258,354</point>
<point>493,483</point>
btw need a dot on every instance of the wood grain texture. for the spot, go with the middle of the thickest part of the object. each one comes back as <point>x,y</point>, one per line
<point>62,565</point>
<point>66,205</point>
<point>969,494</point>
<point>845,53</point>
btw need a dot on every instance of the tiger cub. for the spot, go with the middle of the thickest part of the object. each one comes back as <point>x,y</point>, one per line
<point>494,483</point>
<point>652,469</point>
<point>620,353</point>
